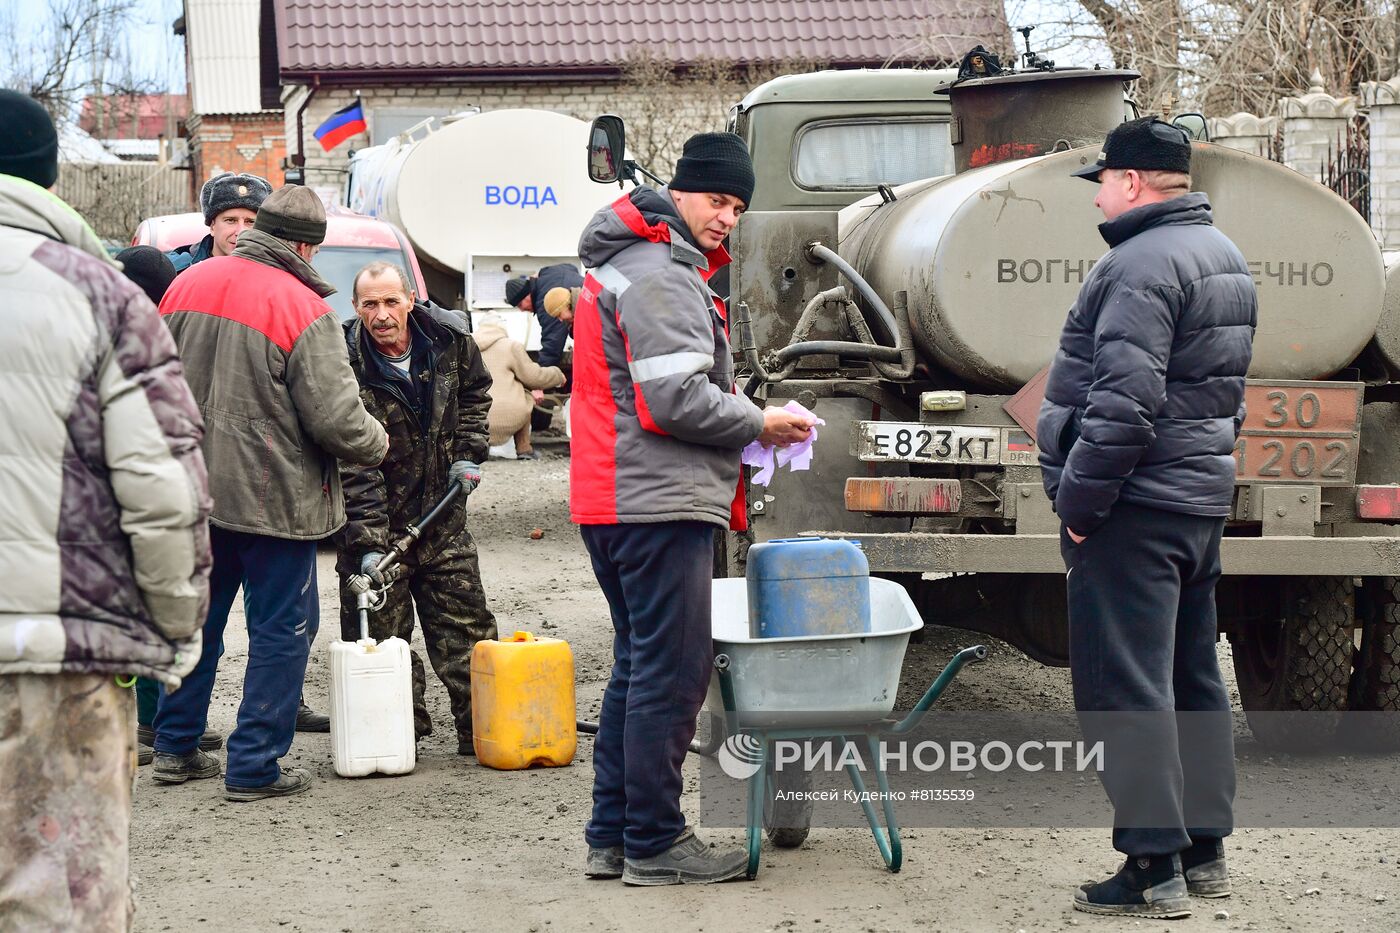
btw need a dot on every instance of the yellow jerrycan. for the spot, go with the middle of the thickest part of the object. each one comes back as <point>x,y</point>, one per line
<point>523,702</point>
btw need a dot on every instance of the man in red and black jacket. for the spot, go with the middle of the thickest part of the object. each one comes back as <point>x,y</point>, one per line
<point>266,360</point>
<point>657,430</point>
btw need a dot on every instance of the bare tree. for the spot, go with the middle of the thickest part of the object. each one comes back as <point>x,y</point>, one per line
<point>1223,56</point>
<point>955,27</point>
<point>78,50</point>
<point>664,103</point>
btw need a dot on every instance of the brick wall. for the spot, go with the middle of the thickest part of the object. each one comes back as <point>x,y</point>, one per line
<point>253,143</point>
<point>687,111</point>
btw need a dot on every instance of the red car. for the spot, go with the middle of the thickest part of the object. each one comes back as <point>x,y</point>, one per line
<point>352,241</point>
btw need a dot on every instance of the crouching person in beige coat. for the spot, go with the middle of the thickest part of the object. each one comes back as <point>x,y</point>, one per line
<point>516,384</point>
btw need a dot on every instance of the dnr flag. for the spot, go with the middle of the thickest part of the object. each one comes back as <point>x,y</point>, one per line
<point>341,125</point>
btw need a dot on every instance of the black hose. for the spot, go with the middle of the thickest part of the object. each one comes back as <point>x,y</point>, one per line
<point>826,254</point>
<point>863,351</point>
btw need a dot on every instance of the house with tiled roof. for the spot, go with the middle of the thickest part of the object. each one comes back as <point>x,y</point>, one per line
<point>409,60</point>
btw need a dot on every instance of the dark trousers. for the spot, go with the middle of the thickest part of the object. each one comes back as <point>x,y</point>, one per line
<point>656,578</point>
<point>278,578</point>
<point>147,696</point>
<point>1142,634</point>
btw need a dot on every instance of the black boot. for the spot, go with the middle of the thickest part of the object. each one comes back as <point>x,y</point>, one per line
<point>308,720</point>
<point>177,769</point>
<point>1203,864</point>
<point>208,742</point>
<point>1146,886</point>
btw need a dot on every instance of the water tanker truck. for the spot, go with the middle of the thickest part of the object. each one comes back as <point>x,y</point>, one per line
<point>913,248</point>
<point>488,196</point>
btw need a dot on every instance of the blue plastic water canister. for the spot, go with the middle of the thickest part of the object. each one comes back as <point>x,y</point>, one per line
<point>808,586</point>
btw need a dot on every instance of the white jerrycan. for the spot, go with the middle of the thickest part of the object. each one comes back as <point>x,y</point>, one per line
<point>372,707</point>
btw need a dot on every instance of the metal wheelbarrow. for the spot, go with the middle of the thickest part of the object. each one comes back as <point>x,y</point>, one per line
<point>822,686</point>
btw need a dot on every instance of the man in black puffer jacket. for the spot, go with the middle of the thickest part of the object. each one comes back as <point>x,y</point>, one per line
<point>1142,408</point>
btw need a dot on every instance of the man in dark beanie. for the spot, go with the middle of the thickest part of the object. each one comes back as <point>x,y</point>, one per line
<point>152,272</point>
<point>267,361</point>
<point>149,268</point>
<point>1143,405</point>
<point>29,143</point>
<point>230,204</point>
<point>527,292</point>
<point>654,474</point>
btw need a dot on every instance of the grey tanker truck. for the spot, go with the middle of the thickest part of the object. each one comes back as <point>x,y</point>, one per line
<point>913,248</point>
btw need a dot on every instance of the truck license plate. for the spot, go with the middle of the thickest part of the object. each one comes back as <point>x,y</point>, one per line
<point>1299,432</point>
<point>930,443</point>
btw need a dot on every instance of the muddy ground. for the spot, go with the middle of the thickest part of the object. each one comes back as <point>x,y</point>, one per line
<point>456,846</point>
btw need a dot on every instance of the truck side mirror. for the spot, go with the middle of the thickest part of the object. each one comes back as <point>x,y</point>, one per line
<point>1194,124</point>
<point>607,140</point>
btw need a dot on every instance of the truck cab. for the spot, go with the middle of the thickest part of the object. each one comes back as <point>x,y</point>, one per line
<point>825,140</point>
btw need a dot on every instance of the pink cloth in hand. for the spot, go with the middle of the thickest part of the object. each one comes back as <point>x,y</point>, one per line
<point>768,459</point>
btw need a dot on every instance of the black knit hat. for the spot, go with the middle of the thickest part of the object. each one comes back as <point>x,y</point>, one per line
<point>293,213</point>
<point>228,190</point>
<point>1147,144</point>
<point>29,144</point>
<point>149,268</point>
<point>715,162</point>
<point>516,290</point>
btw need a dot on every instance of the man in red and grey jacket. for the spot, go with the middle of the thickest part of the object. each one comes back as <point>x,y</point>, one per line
<point>657,430</point>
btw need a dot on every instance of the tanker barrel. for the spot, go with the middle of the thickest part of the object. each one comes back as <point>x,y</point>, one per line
<point>994,258</point>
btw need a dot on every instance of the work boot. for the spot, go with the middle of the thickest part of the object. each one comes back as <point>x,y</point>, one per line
<point>144,754</point>
<point>688,861</point>
<point>308,720</point>
<point>292,781</point>
<point>1203,864</point>
<point>604,863</point>
<point>465,746</point>
<point>209,741</point>
<point>1146,886</point>
<point>177,769</point>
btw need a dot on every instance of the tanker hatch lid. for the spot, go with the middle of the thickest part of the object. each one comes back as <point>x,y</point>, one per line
<point>1027,77</point>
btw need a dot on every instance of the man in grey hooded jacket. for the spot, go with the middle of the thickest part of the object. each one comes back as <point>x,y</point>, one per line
<point>657,430</point>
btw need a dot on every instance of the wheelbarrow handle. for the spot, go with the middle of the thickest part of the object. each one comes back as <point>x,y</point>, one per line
<point>697,747</point>
<point>960,660</point>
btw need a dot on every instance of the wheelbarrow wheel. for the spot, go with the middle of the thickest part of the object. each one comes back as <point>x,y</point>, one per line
<point>787,806</point>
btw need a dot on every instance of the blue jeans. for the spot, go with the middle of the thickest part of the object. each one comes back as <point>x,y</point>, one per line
<point>278,578</point>
<point>656,578</point>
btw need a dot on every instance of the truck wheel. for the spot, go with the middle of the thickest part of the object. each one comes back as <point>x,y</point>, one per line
<point>1298,661</point>
<point>1375,684</point>
<point>787,822</point>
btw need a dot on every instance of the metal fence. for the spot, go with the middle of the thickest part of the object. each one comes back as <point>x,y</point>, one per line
<point>1347,169</point>
<point>115,197</point>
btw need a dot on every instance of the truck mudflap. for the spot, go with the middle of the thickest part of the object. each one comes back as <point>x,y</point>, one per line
<point>920,552</point>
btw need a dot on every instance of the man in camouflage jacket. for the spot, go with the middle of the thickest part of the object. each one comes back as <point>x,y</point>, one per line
<point>422,377</point>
